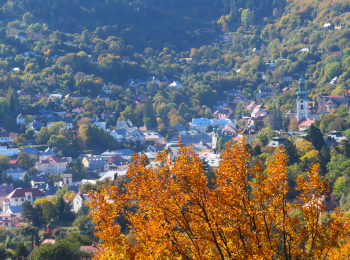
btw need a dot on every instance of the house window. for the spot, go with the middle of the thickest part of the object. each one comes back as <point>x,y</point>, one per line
<point>22,199</point>
<point>16,200</point>
<point>301,107</point>
<point>29,197</point>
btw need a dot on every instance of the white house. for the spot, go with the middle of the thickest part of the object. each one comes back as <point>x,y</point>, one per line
<point>9,149</point>
<point>20,195</point>
<point>52,164</point>
<point>79,201</point>
<point>100,123</point>
<point>20,119</point>
<point>17,174</point>
<point>67,120</point>
<point>5,137</point>
<point>120,135</point>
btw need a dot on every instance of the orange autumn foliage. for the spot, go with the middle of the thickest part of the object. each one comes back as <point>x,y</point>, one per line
<point>172,213</point>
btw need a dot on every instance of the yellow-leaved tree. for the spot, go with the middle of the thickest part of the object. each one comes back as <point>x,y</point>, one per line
<point>173,214</point>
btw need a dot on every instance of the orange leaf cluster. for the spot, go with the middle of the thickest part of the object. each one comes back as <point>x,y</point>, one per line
<point>173,214</point>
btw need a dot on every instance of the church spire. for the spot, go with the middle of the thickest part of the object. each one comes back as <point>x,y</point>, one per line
<point>302,93</point>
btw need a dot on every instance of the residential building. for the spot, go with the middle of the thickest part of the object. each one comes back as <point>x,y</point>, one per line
<point>75,96</point>
<point>100,123</point>
<point>220,104</point>
<point>154,136</point>
<point>6,137</point>
<point>16,210</point>
<point>46,154</point>
<point>337,135</point>
<point>124,124</point>
<point>8,219</point>
<point>52,164</point>
<point>46,113</point>
<point>24,96</point>
<point>305,124</point>
<point>31,151</point>
<point>120,135</point>
<point>59,96</point>
<point>9,149</point>
<point>103,97</point>
<point>4,191</point>
<point>35,125</point>
<point>276,141</point>
<point>115,163</point>
<point>153,79</point>
<point>16,174</point>
<point>67,120</point>
<point>264,92</point>
<point>78,110</point>
<point>38,180</point>
<point>191,139</point>
<point>92,163</point>
<point>20,195</point>
<point>136,135</point>
<point>20,119</point>
<point>327,103</point>
<point>79,202</point>
<point>178,129</point>
<point>122,152</point>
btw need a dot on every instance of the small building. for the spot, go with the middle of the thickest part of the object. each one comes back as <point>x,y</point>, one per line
<point>93,163</point>
<point>305,124</point>
<point>67,120</point>
<point>103,97</point>
<point>31,151</point>
<point>35,125</point>
<point>38,180</point>
<point>16,210</point>
<point>8,220</point>
<point>74,96</point>
<point>4,191</point>
<point>115,163</point>
<point>154,136</point>
<point>79,202</point>
<point>6,137</point>
<point>46,154</point>
<point>120,135</point>
<point>24,96</point>
<point>100,123</point>
<point>20,119</point>
<point>146,129</point>
<point>16,174</point>
<point>276,141</point>
<point>264,92</point>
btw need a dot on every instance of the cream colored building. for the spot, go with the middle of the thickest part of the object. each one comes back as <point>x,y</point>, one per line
<point>52,164</point>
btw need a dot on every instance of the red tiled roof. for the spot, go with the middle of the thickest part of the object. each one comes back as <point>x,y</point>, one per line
<point>115,158</point>
<point>7,215</point>
<point>52,159</point>
<point>307,123</point>
<point>20,193</point>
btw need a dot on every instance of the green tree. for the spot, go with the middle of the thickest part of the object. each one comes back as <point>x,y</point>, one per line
<point>24,161</point>
<point>247,17</point>
<point>338,166</point>
<point>28,18</point>
<point>341,186</point>
<point>81,223</point>
<point>21,251</point>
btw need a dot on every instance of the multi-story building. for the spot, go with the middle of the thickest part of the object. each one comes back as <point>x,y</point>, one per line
<point>20,195</point>
<point>6,137</point>
<point>46,154</point>
<point>93,163</point>
<point>9,149</point>
<point>52,164</point>
<point>16,174</point>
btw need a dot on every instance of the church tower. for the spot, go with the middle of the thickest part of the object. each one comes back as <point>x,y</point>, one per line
<point>302,101</point>
<point>215,137</point>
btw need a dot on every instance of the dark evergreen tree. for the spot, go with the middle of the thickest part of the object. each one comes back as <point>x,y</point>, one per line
<point>27,214</point>
<point>345,147</point>
<point>12,106</point>
<point>256,150</point>
<point>21,251</point>
<point>291,151</point>
<point>286,123</point>
<point>325,156</point>
<point>60,205</point>
<point>314,136</point>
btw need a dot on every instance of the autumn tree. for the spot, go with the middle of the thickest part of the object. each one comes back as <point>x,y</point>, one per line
<point>173,214</point>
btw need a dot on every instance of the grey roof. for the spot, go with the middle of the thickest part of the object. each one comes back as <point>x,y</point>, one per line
<point>29,150</point>
<point>9,145</point>
<point>191,139</point>
<point>40,178</point>
<point>56,119</point>
<point>17,170</point>
<point>47,152</point>
<point>120,131</point>
<point>124,124</point>
<point>51,190</point>
<point>122,152</point>
<point>5,189</point>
